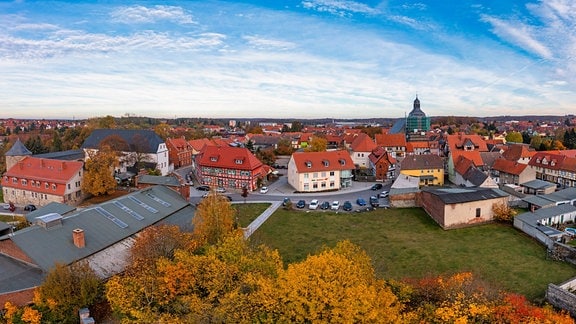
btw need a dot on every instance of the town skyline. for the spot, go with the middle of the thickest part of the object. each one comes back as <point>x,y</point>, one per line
<point>292,60</point>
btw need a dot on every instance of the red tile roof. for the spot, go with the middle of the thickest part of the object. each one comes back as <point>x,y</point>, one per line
<point>363,143</point>
<point>473,156</point>
<point>458,141</point>
<point>42,171</point>
<point>322,161</point>
<point>507,166</point>
<point>198,144</point>
<point>516,152</point>
<point>462,165</point>
<point>391,140</point>
<point>547,160</point>
<point>238,158</point>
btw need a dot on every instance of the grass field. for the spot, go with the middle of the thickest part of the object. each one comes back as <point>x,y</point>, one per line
<point>406,243</point>
<point>246,213</point>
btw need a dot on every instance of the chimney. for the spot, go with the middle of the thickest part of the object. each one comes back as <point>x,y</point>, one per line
<point>78,237</point>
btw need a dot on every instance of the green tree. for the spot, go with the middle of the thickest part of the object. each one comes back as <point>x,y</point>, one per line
<point>56,142</point>
<point>514,137</point>
<point>296,126</point>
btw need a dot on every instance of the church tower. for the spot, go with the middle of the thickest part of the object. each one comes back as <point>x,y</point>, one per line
<point>16,154</point>
<point>416,123</point>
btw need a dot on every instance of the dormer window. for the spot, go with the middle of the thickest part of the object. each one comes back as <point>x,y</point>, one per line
<point>552,163</point>
<point>308,164</point>
<point>24,182</point>
<point>214,158</point>
<point>14,180</point>
<point>538,160</point>
<point>239,161</point>
<point>342,162</point>
<point>46,185</point>
<point>326,163</point>
<point>53,186</point>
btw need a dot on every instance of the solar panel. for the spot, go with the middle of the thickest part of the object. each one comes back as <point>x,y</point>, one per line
<point>158,200</point>
<point>128,211</point>
<point>143,205</point>
<point>111,217</point>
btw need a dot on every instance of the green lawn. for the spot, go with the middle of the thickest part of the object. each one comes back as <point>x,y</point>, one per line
<point>407,243</point>
<point>246,213</point>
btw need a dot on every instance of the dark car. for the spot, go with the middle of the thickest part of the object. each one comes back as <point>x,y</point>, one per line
<point>325,205</point>
<point>30,207</point>
<point>286,201</point>
<point>361,202</point>
<point>376,186</point>
<point>374,202</point>
<point>301,204</point>
<point>347,206</point>
<point>203,188</point>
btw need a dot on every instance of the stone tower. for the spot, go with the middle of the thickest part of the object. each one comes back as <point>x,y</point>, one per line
<point>16,154</point>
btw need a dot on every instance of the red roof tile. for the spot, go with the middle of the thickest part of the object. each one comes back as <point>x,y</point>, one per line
<point>391,140</point>
<point>363,143</point>
<point>507,166</point>
<point>473,156</point>
<point>238,158</point>
<point>322,161</point>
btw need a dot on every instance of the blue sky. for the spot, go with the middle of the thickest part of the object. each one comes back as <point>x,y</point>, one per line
<point>286,59</point>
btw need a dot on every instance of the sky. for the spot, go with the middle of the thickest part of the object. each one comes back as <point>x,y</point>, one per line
<point>286,59</point>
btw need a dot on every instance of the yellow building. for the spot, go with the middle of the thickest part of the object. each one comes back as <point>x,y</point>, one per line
<point>428,167</point>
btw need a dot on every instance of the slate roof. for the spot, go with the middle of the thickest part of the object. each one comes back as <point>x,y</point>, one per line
<point>70,155</point>
<point>18,149</point>
<point>462,195</point>
<point>538,200</point>
<point>145,140</point>
<point>538,184</point>
<point>159,180</point>
<point>15,275</point>
<point>475,176</point>
<point>532,218</point>
<point>422,162</point>
<point>47,246</point>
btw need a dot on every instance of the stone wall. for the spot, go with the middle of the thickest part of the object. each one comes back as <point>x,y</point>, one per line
<point>562,296</point>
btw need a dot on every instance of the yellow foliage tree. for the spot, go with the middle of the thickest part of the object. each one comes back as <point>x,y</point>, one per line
<point>214,219</point>
<point>98,178</point>
<point>317,144</point>
<point>503,212</point>
<point>335,286</point>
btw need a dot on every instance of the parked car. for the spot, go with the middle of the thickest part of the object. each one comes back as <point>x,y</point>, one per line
<point>220,190</point>
<point>383,194</point>
<point>325,205</point>
<point>314,203</point>
<point>263,190</point>
<point>361,202</point>
<point>377,186</point>
<point>203,188</point>
<point>6,206</point>
<point>301,204</point>
<point>374,202</point>
<point>347,206</point>
<point>335,205</point>
<point>286,201</point>
<point>30,207</point>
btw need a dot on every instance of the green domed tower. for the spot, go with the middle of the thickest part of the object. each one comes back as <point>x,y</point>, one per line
<point>417,122</point>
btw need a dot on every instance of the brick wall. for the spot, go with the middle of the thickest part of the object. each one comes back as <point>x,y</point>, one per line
<point>18,298</point>
<point>10,249</point>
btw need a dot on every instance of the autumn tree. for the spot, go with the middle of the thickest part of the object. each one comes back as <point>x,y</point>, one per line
<point>266,156</point>
<point>515,137</point>
<point>163,130</point>
<point>284,146</point>
<point>214,219</point>
<point>98,176</point>
<point>66,289</point>
<point>503,212</point>
<point>158,241</point>
<point>338,286</point>
<point>317,144</point>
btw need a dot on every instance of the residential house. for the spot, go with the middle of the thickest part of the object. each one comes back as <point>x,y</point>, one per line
<point>394,144</point>
<point>137,147</point>
<point>429,168</point>
<point>521,153</point>
<point>419,147</point>
<point>556,168</point>
<point>382,165</point>
<point>320,171</point>
<point>179,152</point>
<point>468,175</point>
<point>263,142</point>
<point>230,167</point>
<point>41,181</point>
<point>470,146</point>
<point>459,207</point>
<point>511,172</point>
<point>360,150</point>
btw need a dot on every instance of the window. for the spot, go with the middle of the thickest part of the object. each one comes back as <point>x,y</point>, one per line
<point>306,175</point>
<point>315,175</point>
<point>326,163</point>
<point>14,180</point>
<point>24,182</point>
<point>239,161</point>
<point>68,186</point>
<point>306,186</point>
<point>323,185</point>
<point>46,185</point>
<point>53,186</point>
<point>332,173</point>
<point>331,184</point>
<point>315,185</point>
<point>323,175</point>
<point>478,212</point>
<point>308,164</point>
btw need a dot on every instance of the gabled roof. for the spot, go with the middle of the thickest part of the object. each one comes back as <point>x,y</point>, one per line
<point>462,165</point>
<point>228,157</point>
<point>459,141</point>
<point>422,162</point>
<point>391,140</point>
<point>508,166</point>
<point>473,156</point>
<point>322,161</point>
<point>101,226</point>
<point>462,195</point>
<point>515,152</point>
<point>146,141</point>
<point>69,155</point>
<point>475,176</point>
<point>198,144</point>
<point>171,181</point>
<point>37,172</point>
<point>488,158</point>
<point>547,160</point>
<point>18,149</point>
<point>179,143</point>
<point>363,143</point>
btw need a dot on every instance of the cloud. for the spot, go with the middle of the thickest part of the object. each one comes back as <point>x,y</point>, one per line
<point>342,8</point>
<point>140,14</point>
<point>266,43</point>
